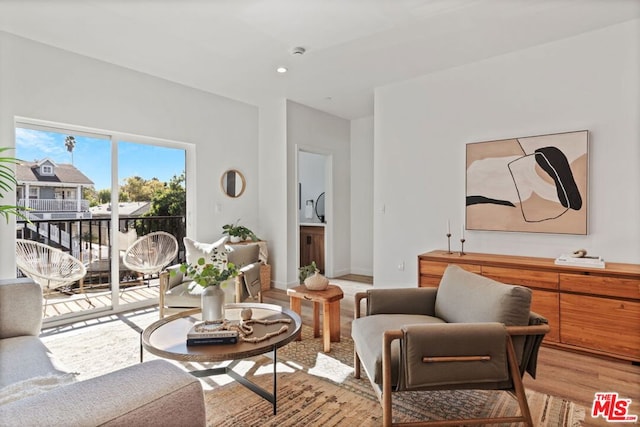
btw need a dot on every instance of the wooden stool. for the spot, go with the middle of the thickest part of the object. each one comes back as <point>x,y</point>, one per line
<point>330,299</point>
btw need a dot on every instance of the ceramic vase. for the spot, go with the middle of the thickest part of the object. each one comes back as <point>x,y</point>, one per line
<point>316,282</point>
<point>213,304</point>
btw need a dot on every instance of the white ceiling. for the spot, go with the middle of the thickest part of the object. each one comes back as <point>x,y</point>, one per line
<point>232,47</point>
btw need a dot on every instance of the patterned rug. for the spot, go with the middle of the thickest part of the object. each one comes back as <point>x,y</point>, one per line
<point>314,388</point>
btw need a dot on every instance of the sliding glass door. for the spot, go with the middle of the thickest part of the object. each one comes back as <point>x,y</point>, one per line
<point>92,195</point>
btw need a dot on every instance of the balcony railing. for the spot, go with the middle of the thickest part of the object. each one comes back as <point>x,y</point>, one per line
<point>54,205</point>
<point>90,240</point>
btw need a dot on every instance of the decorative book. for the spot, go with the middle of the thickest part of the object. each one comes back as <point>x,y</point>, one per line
<point>212,340</point>
<point>586,261</point>
<point>206,330</point>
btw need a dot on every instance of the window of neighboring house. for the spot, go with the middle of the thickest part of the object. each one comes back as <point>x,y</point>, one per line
<point>65,194</point>
<point>46,170</point>
<point>34,192</point>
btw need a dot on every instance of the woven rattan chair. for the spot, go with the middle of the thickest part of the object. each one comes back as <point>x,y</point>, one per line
<point>151,253</point>
<point>51,268</point>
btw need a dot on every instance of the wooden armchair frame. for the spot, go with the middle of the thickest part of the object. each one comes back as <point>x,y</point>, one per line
<point>384,393</point>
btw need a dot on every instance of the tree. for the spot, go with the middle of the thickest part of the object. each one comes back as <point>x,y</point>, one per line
<point>171,200</point>
<point>137,189</point>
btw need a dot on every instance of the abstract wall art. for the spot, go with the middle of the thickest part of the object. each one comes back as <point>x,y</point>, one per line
<point>532,184</point>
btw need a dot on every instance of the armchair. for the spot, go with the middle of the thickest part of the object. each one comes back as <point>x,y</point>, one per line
<point>178,291</point>
<point>469,333</point>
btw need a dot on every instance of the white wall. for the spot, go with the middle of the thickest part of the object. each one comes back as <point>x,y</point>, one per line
<point>362,196</point>
<point>272,198</point>
<point>41,82</point>
<point>421,127</point>
<point>319,132</point>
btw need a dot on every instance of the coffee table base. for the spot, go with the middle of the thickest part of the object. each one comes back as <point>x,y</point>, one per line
<point>228,370</point>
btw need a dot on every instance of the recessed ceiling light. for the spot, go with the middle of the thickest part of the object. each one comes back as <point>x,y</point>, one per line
<point>281,70</point>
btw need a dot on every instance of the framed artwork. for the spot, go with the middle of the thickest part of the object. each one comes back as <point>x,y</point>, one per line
<point>532,184</point>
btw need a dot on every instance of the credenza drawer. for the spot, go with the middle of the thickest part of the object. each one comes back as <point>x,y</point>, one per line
<point>547,304</point>
<point>600,285</point>
<point>437,268</point>
<point>519,276</point>
<point>604,324</point>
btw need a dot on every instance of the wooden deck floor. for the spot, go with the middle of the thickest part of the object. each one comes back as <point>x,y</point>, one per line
<point>59,303</point>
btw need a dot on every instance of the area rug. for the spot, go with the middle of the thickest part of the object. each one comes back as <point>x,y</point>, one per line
<point>314,388</point>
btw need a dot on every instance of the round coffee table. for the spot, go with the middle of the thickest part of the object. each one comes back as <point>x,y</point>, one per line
<point>167,338</point>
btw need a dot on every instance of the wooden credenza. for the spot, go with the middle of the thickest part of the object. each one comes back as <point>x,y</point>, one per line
<point>589,309</point>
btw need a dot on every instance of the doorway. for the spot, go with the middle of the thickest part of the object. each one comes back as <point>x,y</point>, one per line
<point>314,219</point>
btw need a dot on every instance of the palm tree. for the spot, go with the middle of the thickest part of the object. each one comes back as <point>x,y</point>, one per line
<point>70,143</point>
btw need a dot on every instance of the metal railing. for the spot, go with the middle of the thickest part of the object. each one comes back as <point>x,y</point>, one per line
<point>90,240</point>
<point>55,205</point>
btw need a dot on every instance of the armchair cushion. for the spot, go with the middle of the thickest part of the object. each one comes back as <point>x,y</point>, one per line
<point>367,335</point>
<point>487,340</point>
<point>465,297</point>
<point>402,300</point>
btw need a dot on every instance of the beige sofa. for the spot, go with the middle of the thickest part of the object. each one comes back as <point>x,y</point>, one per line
<point>36,391</point>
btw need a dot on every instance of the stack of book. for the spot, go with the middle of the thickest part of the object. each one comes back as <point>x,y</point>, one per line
<point>586,261</point>
<point>203,334</point>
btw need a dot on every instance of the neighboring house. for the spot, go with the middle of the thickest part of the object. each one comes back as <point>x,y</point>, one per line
<point>52,191</point>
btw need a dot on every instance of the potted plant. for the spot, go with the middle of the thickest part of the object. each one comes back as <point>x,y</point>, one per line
<point>238,233</point>
<point>211,275</point>
<point>306,271</point>
<point>7,182</point>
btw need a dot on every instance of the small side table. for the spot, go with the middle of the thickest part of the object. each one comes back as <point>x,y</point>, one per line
<point>330,300</point>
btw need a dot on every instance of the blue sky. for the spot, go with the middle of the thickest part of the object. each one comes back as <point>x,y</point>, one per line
<point>92,156</point>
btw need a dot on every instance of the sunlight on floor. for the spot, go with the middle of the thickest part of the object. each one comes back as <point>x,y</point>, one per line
<point>330,368</point>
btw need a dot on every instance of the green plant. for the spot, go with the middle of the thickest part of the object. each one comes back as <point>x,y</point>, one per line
<point>235,230</point>
<point>306,271</point>
<point>209,274</point>
<point>7,182</point>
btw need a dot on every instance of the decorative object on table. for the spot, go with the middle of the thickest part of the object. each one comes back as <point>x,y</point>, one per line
<point>233,183</point>
<point>462,240</point>
<point>306,270</point>
<point>579,258</point>
<point>316,282</point>
<point>207,333</point>
<point>238,233</point>
<point>449,237</point>
<point>225,332</point>
<point>211,274</point>
<point>245,314</point>
<point>532,184</point>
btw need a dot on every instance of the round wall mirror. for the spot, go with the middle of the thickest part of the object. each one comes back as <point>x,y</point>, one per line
<point>233,183</point>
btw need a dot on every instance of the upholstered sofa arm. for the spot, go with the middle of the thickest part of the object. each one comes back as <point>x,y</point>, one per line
<point>401,301</point>
<point>154,393</point>
<point>453,353</point>
<point>20,308</point>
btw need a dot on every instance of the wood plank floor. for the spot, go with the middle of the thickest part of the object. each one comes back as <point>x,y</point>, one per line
<point>573,376</point>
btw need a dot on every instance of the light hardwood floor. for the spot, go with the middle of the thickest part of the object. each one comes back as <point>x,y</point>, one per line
<point>573,376</point>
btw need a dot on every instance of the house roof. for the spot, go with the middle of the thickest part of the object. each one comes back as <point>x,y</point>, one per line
<point>63,173</point>
<point>124,208</point>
